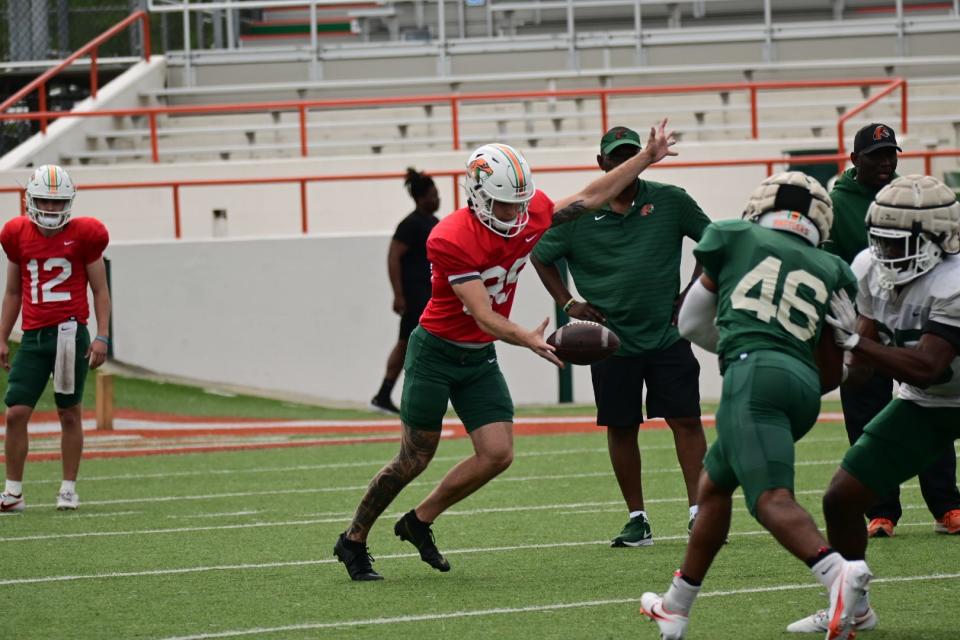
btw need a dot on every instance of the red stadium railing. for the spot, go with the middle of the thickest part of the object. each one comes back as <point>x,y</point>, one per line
<point>176,185</point>
<point>40,83</point>
<point>455,100</point>
<point>898,83</point>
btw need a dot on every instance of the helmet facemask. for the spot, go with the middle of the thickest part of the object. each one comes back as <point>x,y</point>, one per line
<point>900,256</point>
<point>499,173</point>
<point>47,217</point>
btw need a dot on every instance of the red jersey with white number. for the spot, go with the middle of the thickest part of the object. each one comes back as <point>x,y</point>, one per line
<point>461,248</point>
<point>53,271</point>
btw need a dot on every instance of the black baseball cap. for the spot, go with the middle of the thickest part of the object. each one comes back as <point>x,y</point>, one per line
<point>617,137</point>
<point>874,136</point>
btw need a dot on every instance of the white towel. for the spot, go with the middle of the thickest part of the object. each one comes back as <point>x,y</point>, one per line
<point>65,367</point>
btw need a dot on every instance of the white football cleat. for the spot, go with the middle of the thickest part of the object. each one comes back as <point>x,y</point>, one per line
<point>673,626</point>
<point>847,589</point>
<point>10,503</point>
<point>820,621</point>
<point>67,501</point>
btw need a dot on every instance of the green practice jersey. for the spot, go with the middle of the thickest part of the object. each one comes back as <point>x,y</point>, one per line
<point>774,289</point>
<point>628,265</point>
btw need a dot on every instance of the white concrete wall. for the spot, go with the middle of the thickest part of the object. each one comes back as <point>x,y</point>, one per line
<point>307,315</point>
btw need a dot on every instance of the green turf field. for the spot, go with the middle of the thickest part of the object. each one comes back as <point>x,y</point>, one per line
<point>240,545</point>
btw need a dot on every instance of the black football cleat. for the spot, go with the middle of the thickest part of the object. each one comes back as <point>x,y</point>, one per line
<point>384,405</point>
<point>419,534</point>
<point>357,559</point>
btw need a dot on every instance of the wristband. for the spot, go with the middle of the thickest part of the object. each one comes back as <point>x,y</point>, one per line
<point>851,342</point>
<point>104,339</point>
<point>569,304</point>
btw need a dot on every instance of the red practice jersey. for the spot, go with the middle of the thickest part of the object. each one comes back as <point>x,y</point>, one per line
<point>53,271</point>
<point>460,247</point>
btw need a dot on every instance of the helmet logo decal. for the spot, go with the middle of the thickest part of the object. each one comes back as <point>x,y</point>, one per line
<point>479,166</point>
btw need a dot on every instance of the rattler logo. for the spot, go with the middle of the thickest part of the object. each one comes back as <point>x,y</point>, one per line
<point>880,133</point>
<point>478,167</point>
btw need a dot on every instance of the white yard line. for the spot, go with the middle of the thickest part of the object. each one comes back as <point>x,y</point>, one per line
<point>379,462</point>
<point>311,626</point>
<point>334,519</point>
<point>369,463</point>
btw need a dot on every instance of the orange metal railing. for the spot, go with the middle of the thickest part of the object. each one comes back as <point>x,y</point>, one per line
<point>455,100</point>
<point>898,83</point>
<point>455,175</point>
<point>40,83</point>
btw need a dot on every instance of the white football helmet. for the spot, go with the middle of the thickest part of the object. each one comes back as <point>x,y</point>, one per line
<point>912,222</point>
<point>498,172</point>
<point>794,202</point>
<point>49,182</point>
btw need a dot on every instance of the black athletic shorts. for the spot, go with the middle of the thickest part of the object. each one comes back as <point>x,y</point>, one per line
<point>416,303</point>
<point>672,376</point>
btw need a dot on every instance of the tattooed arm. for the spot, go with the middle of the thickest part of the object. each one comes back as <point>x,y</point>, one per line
<point>570,212</point>
<point>607,186</point>
<point>416,450</point>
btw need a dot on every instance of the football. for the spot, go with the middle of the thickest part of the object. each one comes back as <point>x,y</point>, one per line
<point>582,342</point>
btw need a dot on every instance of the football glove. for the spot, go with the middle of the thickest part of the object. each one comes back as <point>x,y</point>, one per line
<point>843,319</point>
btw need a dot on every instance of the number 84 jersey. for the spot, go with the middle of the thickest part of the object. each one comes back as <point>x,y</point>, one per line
<point>928,304</point>
<point>461,248</point>
<point>53,270</point>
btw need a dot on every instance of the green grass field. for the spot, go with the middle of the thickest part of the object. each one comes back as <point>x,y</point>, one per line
<point>240,545</point>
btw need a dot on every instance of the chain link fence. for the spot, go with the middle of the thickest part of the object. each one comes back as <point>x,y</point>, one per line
<point>53,29</point>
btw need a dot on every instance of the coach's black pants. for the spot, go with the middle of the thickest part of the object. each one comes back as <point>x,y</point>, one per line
<point>938,483</point>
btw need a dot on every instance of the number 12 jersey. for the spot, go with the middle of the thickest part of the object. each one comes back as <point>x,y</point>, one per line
<point>53,270</point>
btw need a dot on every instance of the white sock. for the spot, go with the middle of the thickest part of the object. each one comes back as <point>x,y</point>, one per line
<point>634,514</point>
<point>680,596</point>
<point>828,569</point>
<point>13,488</point>
<point>68,486</point>
<point>693,511</point>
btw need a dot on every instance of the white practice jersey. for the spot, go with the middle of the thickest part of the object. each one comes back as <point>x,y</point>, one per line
<point>902,313</point>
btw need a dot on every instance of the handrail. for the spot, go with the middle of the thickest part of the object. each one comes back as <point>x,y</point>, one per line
<point>898,83</point>
<point>40,82</point>
<point>177,185</point>
<point>457,99</point>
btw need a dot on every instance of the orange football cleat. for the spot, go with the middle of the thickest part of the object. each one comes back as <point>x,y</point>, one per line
<point>882,528</point>
<point>949,523</point>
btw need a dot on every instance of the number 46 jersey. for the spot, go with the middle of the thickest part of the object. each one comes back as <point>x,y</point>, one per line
<point>461,248</point>
<point>53,271</point>
<point>774,289</point>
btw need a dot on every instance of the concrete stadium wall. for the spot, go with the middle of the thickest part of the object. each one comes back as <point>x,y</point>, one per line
<point>304,315</point>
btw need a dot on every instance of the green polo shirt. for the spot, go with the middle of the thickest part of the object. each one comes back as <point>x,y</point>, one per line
<point>628,266</point>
